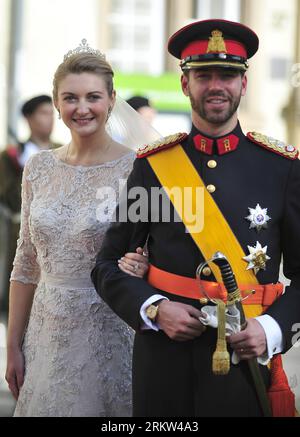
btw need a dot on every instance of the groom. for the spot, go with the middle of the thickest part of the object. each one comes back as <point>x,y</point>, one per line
<point>251,188</point>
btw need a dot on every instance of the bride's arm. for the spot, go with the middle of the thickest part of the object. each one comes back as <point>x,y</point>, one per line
<point>20,302</point>
<point>24,277</point>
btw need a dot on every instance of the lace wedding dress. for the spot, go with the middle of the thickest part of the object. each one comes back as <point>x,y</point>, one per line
<point>77,351</point>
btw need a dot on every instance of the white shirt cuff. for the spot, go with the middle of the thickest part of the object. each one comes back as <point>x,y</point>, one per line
<point>148,324</point>
<point>274,337</point>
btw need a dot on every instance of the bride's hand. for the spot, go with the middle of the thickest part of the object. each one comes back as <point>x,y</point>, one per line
<point>135,264</point>
<point>15,370</point>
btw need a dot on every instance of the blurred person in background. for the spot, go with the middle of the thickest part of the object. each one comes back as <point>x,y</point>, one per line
<point>143,106</point>
<point>38,113</point>
<point>68,354</point>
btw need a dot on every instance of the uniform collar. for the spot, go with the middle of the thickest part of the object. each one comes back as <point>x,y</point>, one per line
<point>216,145</point>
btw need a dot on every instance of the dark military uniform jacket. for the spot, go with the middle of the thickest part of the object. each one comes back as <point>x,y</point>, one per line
<point>248,175</point>
<point>11,177</point>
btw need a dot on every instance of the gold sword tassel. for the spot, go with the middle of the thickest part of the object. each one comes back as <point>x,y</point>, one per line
<point>221,358</point>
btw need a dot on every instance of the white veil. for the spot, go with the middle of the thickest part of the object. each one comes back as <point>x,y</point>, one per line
<point>128,127</point>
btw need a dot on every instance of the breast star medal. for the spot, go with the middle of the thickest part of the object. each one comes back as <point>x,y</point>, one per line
<point>257,258</point>
<point>258,217</point>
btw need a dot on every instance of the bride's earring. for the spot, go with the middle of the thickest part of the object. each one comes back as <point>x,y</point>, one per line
<point>59,116</point>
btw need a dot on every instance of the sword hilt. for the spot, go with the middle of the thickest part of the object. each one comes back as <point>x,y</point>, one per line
<point>226,271</point>
<point>229,280</point>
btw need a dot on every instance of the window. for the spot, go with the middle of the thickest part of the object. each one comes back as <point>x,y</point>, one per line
<point>141,38</point>
<point>142,7</point>
<point>136,29</point>
<point>117,5</point>
<point>226,9</point>
<point>279,68</point>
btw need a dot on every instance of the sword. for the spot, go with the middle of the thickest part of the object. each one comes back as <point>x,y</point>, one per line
<point>231,286</point>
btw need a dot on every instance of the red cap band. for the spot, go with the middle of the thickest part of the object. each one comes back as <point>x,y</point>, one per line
<point>200,48</point>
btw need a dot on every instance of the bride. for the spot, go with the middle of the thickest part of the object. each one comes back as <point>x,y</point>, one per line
<point>68,353</point>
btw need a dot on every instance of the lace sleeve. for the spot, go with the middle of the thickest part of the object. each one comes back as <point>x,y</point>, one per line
<point>25,266</point>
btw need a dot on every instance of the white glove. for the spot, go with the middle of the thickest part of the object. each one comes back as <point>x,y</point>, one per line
<point>209,318</point>
<point>232,325</point>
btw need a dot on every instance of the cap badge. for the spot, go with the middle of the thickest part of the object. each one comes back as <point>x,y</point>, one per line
<point>257,258</point>
<point>216,43</point>
<point>258,217</point>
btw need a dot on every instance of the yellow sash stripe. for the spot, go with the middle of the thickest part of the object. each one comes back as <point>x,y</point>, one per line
<point>174,169</point>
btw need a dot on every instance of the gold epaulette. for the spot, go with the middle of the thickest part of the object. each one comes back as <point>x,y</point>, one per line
<point>161,144</point>
<point>276,146</point>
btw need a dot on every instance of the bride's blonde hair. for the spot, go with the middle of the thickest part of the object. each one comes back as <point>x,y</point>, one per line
<point>83,63</point>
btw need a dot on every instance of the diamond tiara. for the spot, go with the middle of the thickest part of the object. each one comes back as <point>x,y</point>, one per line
<point>84,48</point>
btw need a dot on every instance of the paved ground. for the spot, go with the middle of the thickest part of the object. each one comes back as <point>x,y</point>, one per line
<point>291,362</point>
<point>7,402</point>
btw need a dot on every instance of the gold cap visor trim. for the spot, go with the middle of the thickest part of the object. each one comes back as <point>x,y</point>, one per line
<point>198,64</point>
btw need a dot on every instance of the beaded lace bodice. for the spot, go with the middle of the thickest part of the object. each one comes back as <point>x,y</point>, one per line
<point>60,232</point>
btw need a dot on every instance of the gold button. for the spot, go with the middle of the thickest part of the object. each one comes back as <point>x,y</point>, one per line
<point>203,300</point>
<point>206,271</point>
<point>211,188</point>
<point>212,164</point>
